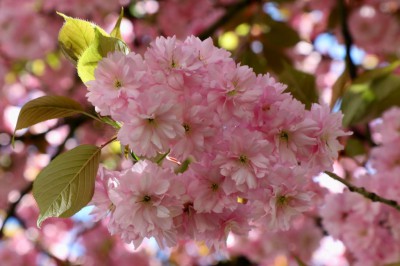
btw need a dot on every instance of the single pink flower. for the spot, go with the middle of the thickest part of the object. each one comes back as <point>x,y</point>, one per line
<point>117,79</point>
<point>153,124</point>
<point>244,157</point>
<point>145,201</point>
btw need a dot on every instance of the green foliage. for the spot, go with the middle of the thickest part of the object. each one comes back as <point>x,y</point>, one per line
<point>340,86</point>
<point>45,108</point>
<point>279,34</point>
<point>300,84</point>
<point>67,184</point>
<point>183,166</point>
<point>370,95</point>
<point>75,37</point>
<point>85,44</point>
<point>99,48</point>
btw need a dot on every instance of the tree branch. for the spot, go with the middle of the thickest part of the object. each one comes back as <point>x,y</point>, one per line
<point>362,191</point>
<point>230,13</point>
<point>348,39</point>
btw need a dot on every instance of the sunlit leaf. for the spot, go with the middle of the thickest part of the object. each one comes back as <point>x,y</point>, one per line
<point>66,185</point>
<point>76,36</point>
<point>99,49</point>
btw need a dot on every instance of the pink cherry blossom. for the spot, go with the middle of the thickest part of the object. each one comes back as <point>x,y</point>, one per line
<point>245,159</point>
<point>155,122</point>
<point>144,204</point>
<point>116,82</point>
<point>329,129</point>
<point>105,181</point>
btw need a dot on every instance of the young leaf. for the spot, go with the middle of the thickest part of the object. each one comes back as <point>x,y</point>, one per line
<point>45,108</point>
<point>76,36</point>
<point>66,185</point>
<point>99,49</point>
<point>116,32</point>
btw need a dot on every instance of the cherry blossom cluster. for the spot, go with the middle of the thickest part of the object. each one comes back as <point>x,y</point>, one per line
<point>371,230</point>
<point>240,153</point>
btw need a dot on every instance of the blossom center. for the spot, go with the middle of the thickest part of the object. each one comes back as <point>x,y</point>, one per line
<point>214,187</point>
<point>188,207</point>
<point>284,136</point>
<point>231,93</point>
<point>186,127</point>
<point>117,84</point>
<point>282,200</point>
<point>146,198</point>
<point>243,159</point>
<point>266,108</point>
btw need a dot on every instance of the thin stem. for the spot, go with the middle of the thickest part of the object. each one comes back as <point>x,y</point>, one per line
<point>92,116</point>
<point>108,142</point>
<point>362,191</point>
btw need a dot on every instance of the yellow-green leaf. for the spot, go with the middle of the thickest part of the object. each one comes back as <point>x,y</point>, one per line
<point>116,32</point>
<point>66,185</point>
<point>45,108</point>
<point>99,49</point>
<point>76,36</point>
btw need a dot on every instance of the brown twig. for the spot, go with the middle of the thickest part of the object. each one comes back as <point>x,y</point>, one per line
<point>348,39</point>
<point>362,191</point>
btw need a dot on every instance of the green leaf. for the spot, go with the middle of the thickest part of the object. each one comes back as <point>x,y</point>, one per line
<point>183,166</point>
<point>300,84</point>
<point>366,101</point>
<point>340,86</point>
<point>66,185</point>
<point>371,94</point>
<point>76,36</point>
<point>249,58</point>
<point>116,32</point>
<point>45,108</point>
<point>280,35</point>
<point>99,49</point>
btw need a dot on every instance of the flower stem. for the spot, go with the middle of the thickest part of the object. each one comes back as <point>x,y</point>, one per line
<point>108,142</point>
